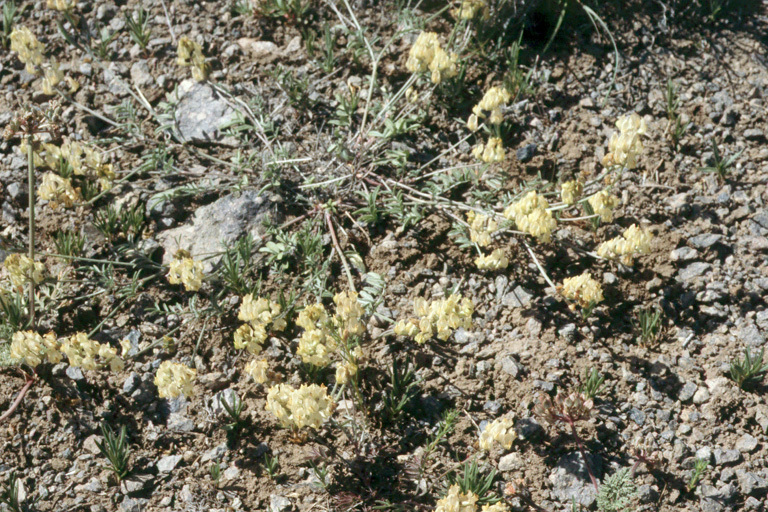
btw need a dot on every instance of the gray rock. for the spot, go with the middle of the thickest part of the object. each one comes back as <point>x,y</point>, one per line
<point>201,112</point>
<point>687,391</point>
<point>509,462</point>
<point>518,298</point>
<point>528,428</point>
<point>701,396</point>
<point>704,241</point>
<point>140,75</point>
<point>279,503</point>
<point>684,254</point>
<point>727,456</point>
<point>637,416</point>
<point>750,482</point>
<point>693,271</point>
<point>133,504</point>
<point>180,423</point>
<point>228,395</point>
<point>647,494</point>
<point>75,374</point>
<point>704,453</point>
<point>132,383</point>
<point>216,225</point>
<point>570,479</point>
<point>135,484</point>
<point>214,453</point>
<point>746,443</point>
<point>526,153</point>
<point>91,444</point>
<point>751,335</point>
<point>168,463</point>
<point>752,504</point>
<point>569,332</point>
<point>492,407</point>
<point>510,366</point>
<point>14,190</point>
<point>753,134</point>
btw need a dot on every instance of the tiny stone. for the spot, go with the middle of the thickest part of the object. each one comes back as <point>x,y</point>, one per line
<point>753,134</point>
<point>683,254</point>
<point>726,456</point>
<point>279,503</point>
<point>526,153</point>
<point>704,241</point>
<point>492,406</point>
<point>687,391</point>
<point>168,463</point>
<point>704,453</point>
<point>701,396</point>
<point>510,366</point>
<point>746,443</point>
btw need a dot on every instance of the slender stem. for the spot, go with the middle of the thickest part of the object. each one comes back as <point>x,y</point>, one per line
<point>580,444</point>
<point>341,253</point>
<point>538,265</point>
<point>31,202</point>
<point>18,400</point>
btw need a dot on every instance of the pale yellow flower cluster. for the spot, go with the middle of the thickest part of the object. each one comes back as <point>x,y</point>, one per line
<point>531,216</point>
<point>481,227</point>
<point>190,54</point>
<point>497,260</point>
<point>491,152</point>
<point>28,48</point>
<point>469,9</point>
<point>258,369</point>
<point>21,269</point>
<point>633,241</point>
<point>437,318</point>
<point>570,191</point>
<point>262,316</point>
<point>52,76</point>
<point>32,349</point>
<point>88,162</point>
<point>58,191</point>
<point>583,290</point>
<point>317,343</point>
<point>603,203</point>
<point>308,406</point>
<point>88,354</point>
<point>427,54</point>
<point>493,100</point>
<point>625,147</point>
<point>60,5</point>
<point>500,431</point>
<point>183,269</point>
<point>348,319</point>
<point>457,501</point>
<point>174,379</point>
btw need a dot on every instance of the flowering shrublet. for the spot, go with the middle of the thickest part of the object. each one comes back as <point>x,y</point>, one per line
<point>501,431</point>
<point>183,269</point>
<point>348,319</point>
<point>469,9</point>
<point>493,100</point>
<point>32,349</point>
<point>583,290</point>
<point>570,191</point>
<point>190,54</point>
<point>565,407</point>
<point>88,162</point>
<point>497,260</point>
<point>437,318</point>
<point>60,5</point>
<point>52,76</point>
<point>316,345</point>
<point>603,203</point>
<point>261,311</point>
<point>21,269</point>
<point>492,152</point>
<point>625,147</point>
<point>250,337</point>
<point>174,379</point>
<point>457,501</point>
<point>87,354</point>
<point>426,54</point>
<point>633,241</point>
<point>481,227</point>
<point>58,191</point>
<point>308,406</point>
<point>258,369</point>
<point>530,215</point>
<point>28,48</point>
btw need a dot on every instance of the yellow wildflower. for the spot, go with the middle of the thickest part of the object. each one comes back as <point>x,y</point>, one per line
<point>58,191</point>
<point>497,260</point>
<point>22,269</point>
<point>583,290</point>
<point>501,431</point>
<point>481,227</point>
<point>32,349</point>
<point>623,248</point>
<point>174,379</point>
<point>603,203</point>
<point>183,269</point>
<point>28,48</point>
<point>308,406</point>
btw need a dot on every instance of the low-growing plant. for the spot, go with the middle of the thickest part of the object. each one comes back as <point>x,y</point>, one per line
<point>471,479</point>
<point>617,492</point>
<point>403,387</point>
<point>293,10</point>
<point>12,307</point>
<point>10,13</point>
<point>215,471</point>
<point>648,324</point>
<point>138,27</point>
<point>115,448</point>
<point>236,422</point>
<point>271,465</point>
<point>321,473</point>
<point>721,165</point>
<point>328,64</point>
<point>699,470</point>
<point>10,493</point>
<point>749,370</point>
<point>592,384</point>
<point>69,243</point>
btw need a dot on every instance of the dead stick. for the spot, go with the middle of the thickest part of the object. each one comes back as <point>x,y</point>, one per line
<point>18,400</point>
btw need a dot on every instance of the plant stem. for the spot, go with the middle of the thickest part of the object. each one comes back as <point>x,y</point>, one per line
<point>18,400</point>
<point>580,444</point>
<point>341,253</point>
<point>31,202</point>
